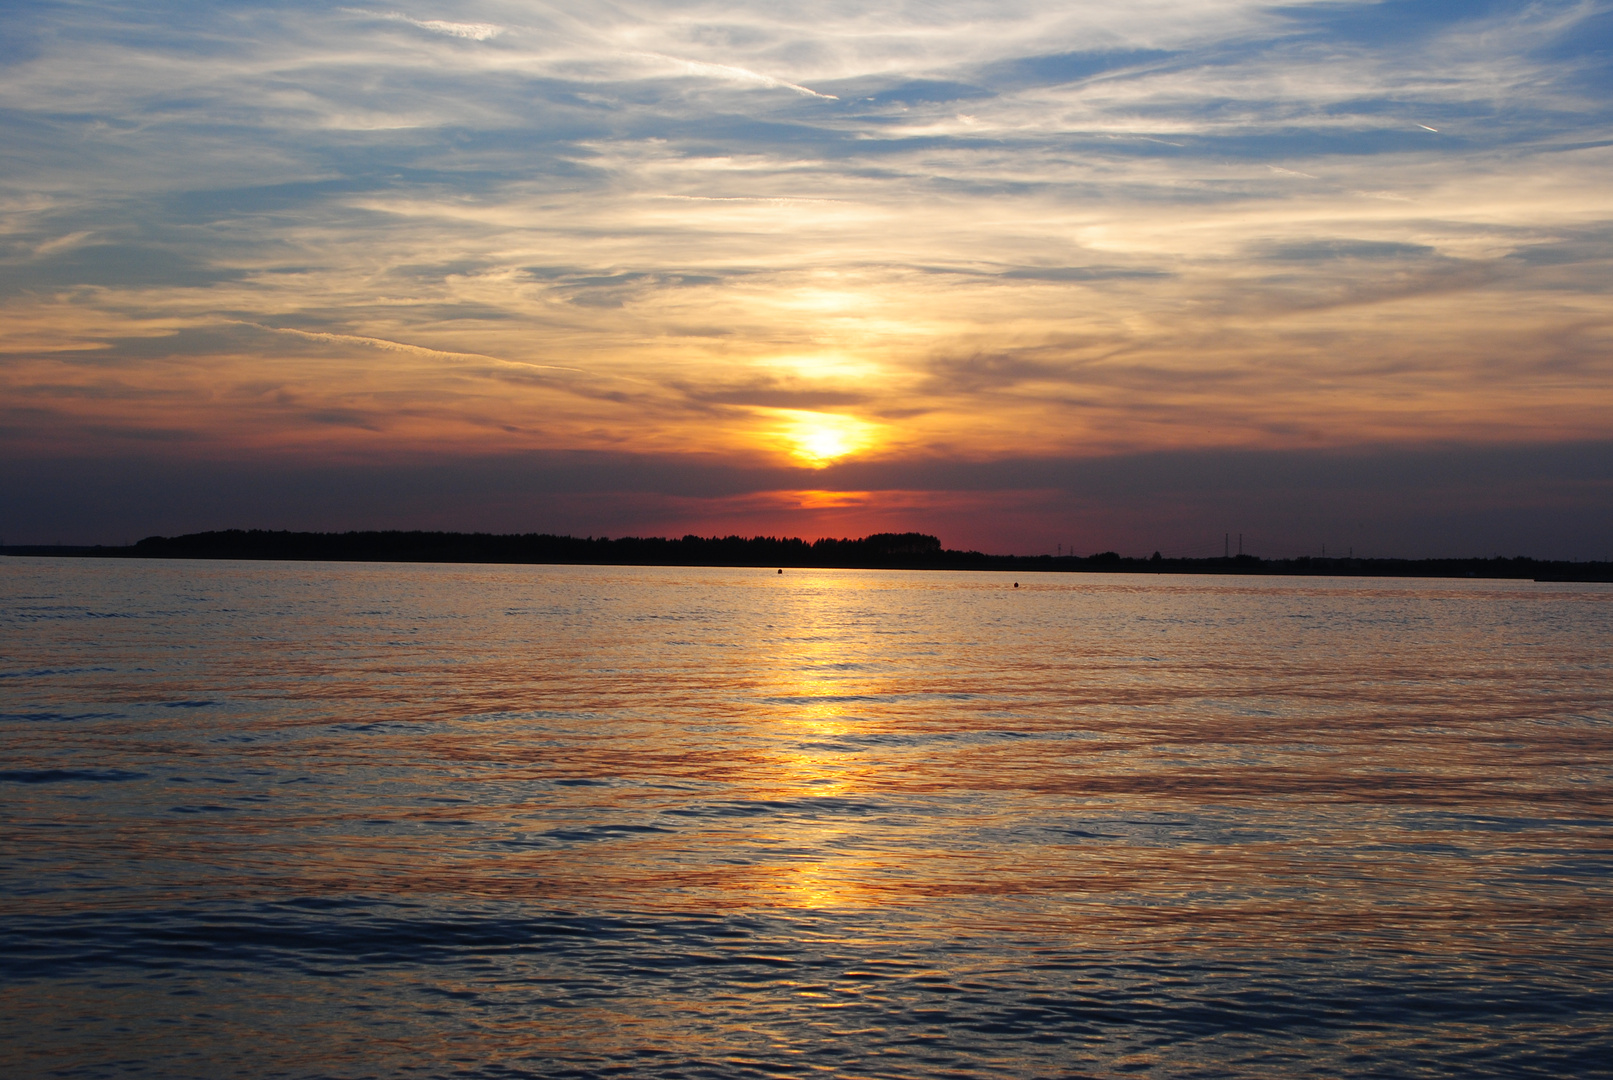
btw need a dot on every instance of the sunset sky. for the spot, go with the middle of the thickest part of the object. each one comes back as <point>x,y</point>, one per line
<point>1025,275</point>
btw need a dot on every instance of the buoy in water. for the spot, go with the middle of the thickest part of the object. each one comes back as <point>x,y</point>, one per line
<point>1016,584</point>
<point>781,570</point>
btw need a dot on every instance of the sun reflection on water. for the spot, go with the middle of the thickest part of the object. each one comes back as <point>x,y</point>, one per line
<point>818,681</point>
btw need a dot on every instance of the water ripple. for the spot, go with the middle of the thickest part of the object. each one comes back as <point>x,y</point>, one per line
<point>349,821</point>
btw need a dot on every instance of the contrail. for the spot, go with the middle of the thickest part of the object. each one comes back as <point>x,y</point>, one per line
<point>728,73</point>
<point>398,346</point>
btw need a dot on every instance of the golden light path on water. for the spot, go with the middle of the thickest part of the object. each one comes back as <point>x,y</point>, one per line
<point>319,819</point>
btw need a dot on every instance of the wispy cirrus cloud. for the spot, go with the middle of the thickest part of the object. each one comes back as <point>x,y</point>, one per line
<point>474,31</point>
<point>729,73</point>
<point>979,228</point>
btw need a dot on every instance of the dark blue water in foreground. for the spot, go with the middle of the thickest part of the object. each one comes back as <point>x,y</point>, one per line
<point>338,820</point>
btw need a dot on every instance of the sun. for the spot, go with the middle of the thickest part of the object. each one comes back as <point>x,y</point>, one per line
<point>822,442</point>
<point>820,439</point>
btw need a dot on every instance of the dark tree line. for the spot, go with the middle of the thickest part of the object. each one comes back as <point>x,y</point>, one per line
<point>907,550</point>
<point>880,549</point>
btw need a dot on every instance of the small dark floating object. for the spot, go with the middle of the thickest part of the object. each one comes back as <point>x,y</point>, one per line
<point>781,570</point>
<point>1016,584</point>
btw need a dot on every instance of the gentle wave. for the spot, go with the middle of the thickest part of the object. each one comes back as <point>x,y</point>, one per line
<point>345,820</point>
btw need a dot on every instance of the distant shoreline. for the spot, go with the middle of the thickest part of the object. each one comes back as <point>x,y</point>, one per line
<point>882,551</point>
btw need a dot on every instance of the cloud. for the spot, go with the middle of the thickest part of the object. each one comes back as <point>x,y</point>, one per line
<point>772,394</point>
<point>1164,225</point>
<point>729,73</point>
<point>70,263</point>
<point>472,31</point>
<point>390,346</point>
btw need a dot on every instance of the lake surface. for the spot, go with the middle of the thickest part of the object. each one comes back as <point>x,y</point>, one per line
<point>310,820</point>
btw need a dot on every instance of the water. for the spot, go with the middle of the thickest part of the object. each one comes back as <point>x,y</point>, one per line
<point>297,820</point>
